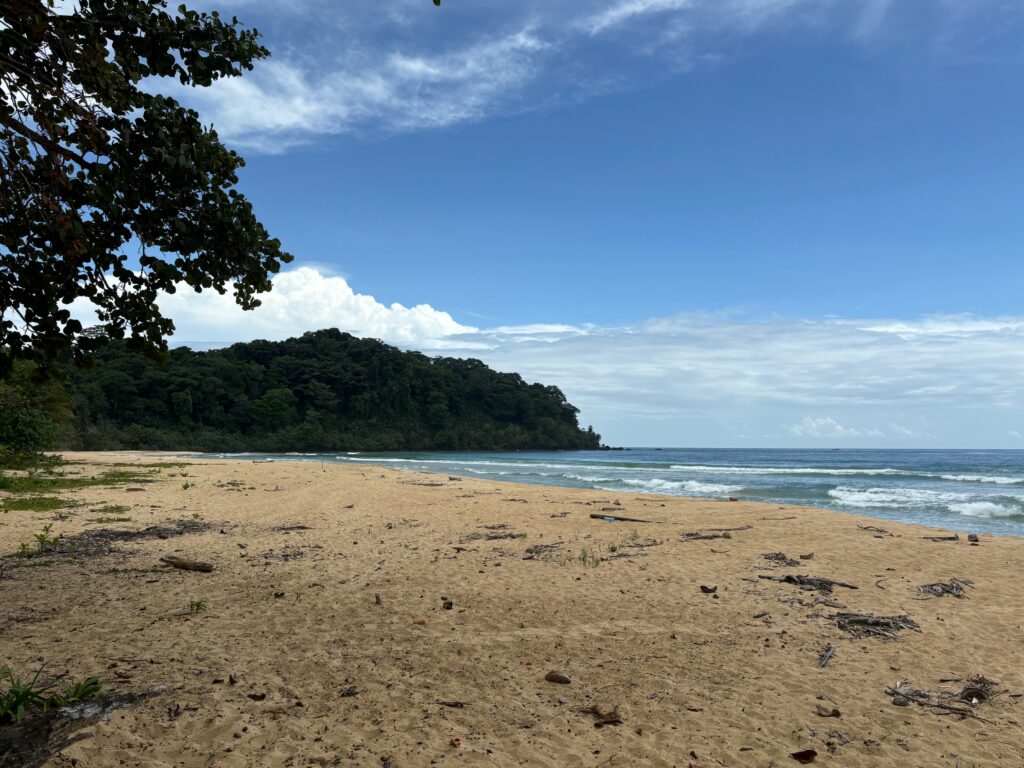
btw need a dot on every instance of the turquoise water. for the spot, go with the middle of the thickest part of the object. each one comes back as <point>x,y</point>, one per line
<point>972,491</point>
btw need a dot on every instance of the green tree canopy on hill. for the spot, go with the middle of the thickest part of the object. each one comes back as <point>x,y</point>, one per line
<point>323,391</point>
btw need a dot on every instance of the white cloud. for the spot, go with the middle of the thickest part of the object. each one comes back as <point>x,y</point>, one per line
<point>827,427</point>
<point>625,10</point>
<point>303,299</point>
<point>708,379</point>
<point>410,67</point>
<point>285,101</point>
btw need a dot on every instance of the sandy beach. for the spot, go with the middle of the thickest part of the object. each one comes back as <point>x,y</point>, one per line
<point>359,616</point>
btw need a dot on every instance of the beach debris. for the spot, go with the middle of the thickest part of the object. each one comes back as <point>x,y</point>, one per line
<point>879,532</point>
<point>804,756</point>
<point>733,530</point>
<point>975,691</point>
<point>494,533</point>
<point>954,587</point>
<point>617,519</point>
<point>780,558</point>
<point>288,528</point>
<point>698,536</point>
<point>447,605</point>
<point>419,621</point>
<point>453,479</point>
<point>453,704</point>
<point>456,742</point>
<point>256,696</point>
<point>973,538</point>
<point>954,537</point>
<point>187,565</point>
<point>821,711</point>
<point>733,498</point>
<point>540,551</point>
<point>708,590</point>
<point>377,599</point>
<point>602,716</point>
<point>808,556</point>
<point>826,656</point>
<point>868,625</point>
<point>810,582</point>
<point>555,676</point>
<point>349,692</point>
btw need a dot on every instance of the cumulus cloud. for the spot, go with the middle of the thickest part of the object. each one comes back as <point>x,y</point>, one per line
<point>690,380</point>
<point>303,299</point>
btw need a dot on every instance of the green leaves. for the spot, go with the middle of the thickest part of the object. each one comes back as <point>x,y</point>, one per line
<point>92,167</point>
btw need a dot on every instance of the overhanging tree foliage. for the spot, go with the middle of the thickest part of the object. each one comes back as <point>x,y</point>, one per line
<point>93,166</point>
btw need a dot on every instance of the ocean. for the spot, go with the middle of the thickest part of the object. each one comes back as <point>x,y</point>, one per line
<point>961,490</point>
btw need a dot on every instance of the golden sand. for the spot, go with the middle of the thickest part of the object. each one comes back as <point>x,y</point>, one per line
<point>293,661</point>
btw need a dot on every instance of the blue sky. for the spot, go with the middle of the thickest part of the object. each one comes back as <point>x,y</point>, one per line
<point>728,222</point>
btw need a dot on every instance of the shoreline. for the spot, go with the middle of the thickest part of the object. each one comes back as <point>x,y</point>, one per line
<point>964,529</point>
<point>324,675</point>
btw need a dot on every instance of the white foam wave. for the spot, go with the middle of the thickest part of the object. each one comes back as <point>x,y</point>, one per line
<point>997,479</point>
<point>986,509</point>
<point>791,470</point>
<point>687,486</point>
<point>892,497</point>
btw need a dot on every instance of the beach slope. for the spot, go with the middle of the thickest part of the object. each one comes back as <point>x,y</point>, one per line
<point>359,616</point>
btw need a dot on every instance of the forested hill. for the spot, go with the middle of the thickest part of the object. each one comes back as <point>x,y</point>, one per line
<point>324,391</point>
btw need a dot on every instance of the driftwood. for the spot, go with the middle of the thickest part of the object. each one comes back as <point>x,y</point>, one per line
<point>868,625</point>
<point>698,536</point>
<point>810,582</point>
<point>186,565</point>
<point>539,551</point>
<point>954,587</point>
<point>978,690</point>
<point>954,537</point>
<point>617,519</point>
<point>826,656</point>
<point>780,558</point>
<point>875,529</point>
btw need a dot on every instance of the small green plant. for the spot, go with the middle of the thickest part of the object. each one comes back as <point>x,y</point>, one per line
<point>44,541</point>
<point>589,558</point>
<point>196,606</point>
<point>196,516</point>
<point>186,485</point>
<point>20,696</point>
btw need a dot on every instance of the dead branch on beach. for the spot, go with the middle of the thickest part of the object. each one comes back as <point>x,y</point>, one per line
<point>186,565</point>
<point>617,519</point>
<point>780,558</point>
<point>954,537</point>
<point>976,691</point>
<point>826,656</point>
<point>879,532</point>
<point>541,551</point>
<point>810,582</point>
<point>868,625</point>
<point>954,587</point>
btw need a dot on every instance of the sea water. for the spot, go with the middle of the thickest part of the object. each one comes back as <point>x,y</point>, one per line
<point>961,490</point>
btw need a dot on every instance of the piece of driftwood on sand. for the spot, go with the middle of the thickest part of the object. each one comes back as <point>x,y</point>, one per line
<point>186,564</point>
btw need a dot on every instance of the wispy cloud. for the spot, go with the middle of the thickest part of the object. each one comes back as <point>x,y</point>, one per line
<point>620,12</point>
<point>285,101</point>
<point>412,67</point>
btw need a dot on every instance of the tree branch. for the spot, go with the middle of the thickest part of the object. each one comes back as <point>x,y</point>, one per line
<point>45,142</point>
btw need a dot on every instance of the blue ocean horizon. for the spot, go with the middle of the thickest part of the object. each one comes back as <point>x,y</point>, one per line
<point>961,490</point>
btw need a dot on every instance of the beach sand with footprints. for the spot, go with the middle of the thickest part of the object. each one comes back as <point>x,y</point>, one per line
<point>359,616</point>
